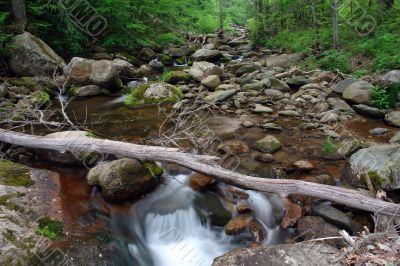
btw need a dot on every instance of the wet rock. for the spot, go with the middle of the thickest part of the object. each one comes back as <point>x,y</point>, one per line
<point>102,56</point>
<point>154,93</point>
<point>253,86</point>
<point>269,144</point>
<point>262,157</point>
<point>390,78</point>
<point>156,65</point>
<point>257,231</point>
<point>381,163</point>
<point>284,60</point>
<point>297,82</point>
<point>359,92</point>
<point>330,117</point>
<point>350,146</point>
<point>379,131</point>
<point>201,70</point>
<point>219,96</point>
<point>393,118</point>
<point>234,147</point>
<point>35,100</point>
<point>124,179</point>
<point>247,68</point>
<point>369,111</point>
<point>81,71</point>
<point>339,104</point>
<point>271,127</point>
<point>289,113</point>
<point>281,255</point>
<point>314,227</point>
<point>279,85</point>
<point>210,207</point>
<point>304,165</point>
<point>237,225</point>
<point>146,54</point>
<point>243,209</point>
<point>211,82</point>
<point>259,108</point>
<point>293,213</point>
<point>247,124</point>
<point>200,182</point>
<point>175,77</point>
<point>332,215</point>
<point>88,91</point>
<point>396,138</point>
<point>207,55</point>
<point>30,56</point>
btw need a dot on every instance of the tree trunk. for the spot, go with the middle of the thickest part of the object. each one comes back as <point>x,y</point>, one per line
<point>335,27</point>
<point>221,15</point>
<point>206,165</point>
<point>19,13</point>
<point>315,22</point>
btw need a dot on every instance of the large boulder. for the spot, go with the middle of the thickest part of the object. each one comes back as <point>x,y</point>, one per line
<point>201,70</point>
<point>369,111</point>
<point>211,82</point>
<point>30,56</point>
<point>152,93</point>
<point>210,208</point>
<point>390,78</point>
<point>393,118</point>
<point>147,54</point>
<point>124,179</point>
<point>81,72</point>
<point>359,92</point>
<point>308,253</point>
<point>206,55</point>
<point>381,163</point>
<point>284,60</point>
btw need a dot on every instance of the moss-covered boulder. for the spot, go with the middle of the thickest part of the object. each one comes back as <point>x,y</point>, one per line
<point>35,100</point>
<point>13,174</point>
<point>152,93</point>
<point>268,144</point>
<point>124,179</point>
<point>175,77</point>
<point>167,60</point>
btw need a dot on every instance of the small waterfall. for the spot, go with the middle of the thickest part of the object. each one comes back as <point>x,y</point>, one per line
<point>182,65</point>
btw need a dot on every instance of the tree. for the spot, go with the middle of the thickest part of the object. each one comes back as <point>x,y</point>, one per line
<point>19,13</point>
<point>335,27</point>
<point>315,23</point>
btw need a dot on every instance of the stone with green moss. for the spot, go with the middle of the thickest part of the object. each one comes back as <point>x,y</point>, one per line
<point>153,93</point>
<point>175,77</point>
<point>6,201</point>
<point>13,174</point>
<point>167,60</point>
<point>180,61</point>
<point>268,144</point>
<point>35,100</point>
<point>23,82</point>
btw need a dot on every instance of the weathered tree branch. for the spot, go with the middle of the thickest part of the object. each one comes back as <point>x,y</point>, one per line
<point>206,165</point>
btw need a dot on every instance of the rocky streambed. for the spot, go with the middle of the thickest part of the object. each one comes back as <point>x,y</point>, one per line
<point>271,119</point>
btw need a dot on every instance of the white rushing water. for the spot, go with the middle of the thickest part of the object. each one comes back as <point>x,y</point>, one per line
<point>172,232</point>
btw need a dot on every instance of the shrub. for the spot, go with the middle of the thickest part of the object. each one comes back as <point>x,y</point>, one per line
<point>385,98</point>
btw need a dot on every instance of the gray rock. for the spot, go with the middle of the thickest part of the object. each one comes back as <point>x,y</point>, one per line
<point>156,65</point>
<point>339,104</point>
<point>379,131</point>
<point>279,85</point>
<point>201,70</point>
<point>211,82</point>
<point>206,55</point>
<point>342,85</point>
<point>289,113</point>
<point>271,127</point>
<point>224,87</point>
<point>259,108</point>
<point>314,227</point>
<point>88,91</point>
<point>123,179</point>
<point>248,124</point>
<point>393,118</point>
<point>219,96</point>
<point>283,60</point>
<point>269,144</point>
<point>330,117</point>
<point>30,56</point>
<point>369,111</point>
<point>396,138</point>
<point>253,86</point>
<point>308,253</point>
<point>247,68</point>
<point>273,93</point>
<point>350,146</point>
<point>332,215</point>
<point>381,163</point>
<point>390,78</point>
<point>147,54</point>
<point>359,92</point>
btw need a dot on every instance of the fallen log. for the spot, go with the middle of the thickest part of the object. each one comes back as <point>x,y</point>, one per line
<point>206,165</point>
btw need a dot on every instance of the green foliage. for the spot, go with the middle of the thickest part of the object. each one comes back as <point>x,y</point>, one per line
<point>329,146</point>
<point>358,74</point>
<point>333,59</point>
<point>50,229</point>
<point>385,98</point>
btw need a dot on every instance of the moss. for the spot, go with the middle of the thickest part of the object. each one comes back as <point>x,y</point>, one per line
<point>13,174</point>
<point>41,96</point>
<point>175,77</point>
<point>375,178</point>
<point>180,61</point>
<point>167,60</point>
<point>5,201</point>
<point>91,134</point>
<point>50,229</point>
<point>136,97</point>
<point>228,135</point>
<point>9,235</point>
<point>131,59</point>
<point>72,91</point>
<point>155,170</point>
<point>24,81</point>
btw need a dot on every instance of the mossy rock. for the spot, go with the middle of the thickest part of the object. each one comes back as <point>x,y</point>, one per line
<point>13,174</point>
<point>174,77</point>
<point>50,228</point>
<point>268,144</point>
<point>24,81</point>
<point>6,201</point>
<point>37,99</point>
<point>167,60</point>
<point>153,93</point>
<point>180,61</point>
